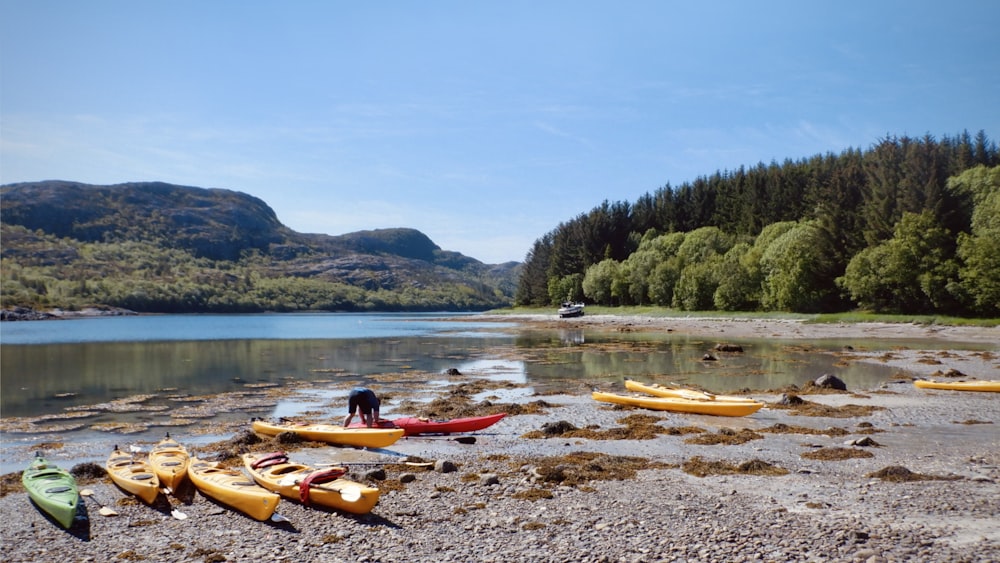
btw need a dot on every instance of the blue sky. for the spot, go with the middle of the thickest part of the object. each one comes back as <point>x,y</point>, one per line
<point>482,124</point>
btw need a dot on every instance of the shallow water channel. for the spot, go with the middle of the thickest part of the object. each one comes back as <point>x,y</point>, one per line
<point>128,380</point>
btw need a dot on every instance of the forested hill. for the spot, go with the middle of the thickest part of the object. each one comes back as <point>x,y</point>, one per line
<point>909,225</point>
<point>156,247</point>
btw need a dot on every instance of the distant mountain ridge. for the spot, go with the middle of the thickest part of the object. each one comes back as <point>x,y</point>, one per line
<point>226,225</point>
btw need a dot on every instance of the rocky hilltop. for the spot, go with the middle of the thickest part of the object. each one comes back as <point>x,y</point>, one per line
<point>47,224</point>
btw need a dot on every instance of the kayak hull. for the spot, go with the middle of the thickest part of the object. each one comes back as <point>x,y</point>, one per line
<point>681,405</point>
<point>233,489</point>
<point>978,385</point>
<point>333,434</point>
<point>133,475</point>
<point>658,390</point>
<point>413,426</point>
<point>285,478</point>
<point>53,490</point>
<point>169,460</point>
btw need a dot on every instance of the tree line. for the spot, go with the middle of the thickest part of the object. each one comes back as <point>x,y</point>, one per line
<point>910,225</point>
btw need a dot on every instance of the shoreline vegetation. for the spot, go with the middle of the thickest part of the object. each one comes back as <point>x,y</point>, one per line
<point>886,474</point>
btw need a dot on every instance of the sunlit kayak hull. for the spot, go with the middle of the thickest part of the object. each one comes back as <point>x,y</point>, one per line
<point>681,405</point>
<point>657,390</point>
<point>133,475</point>
<point>233,489</point>
<point>285,478</point>
<point>984,385</point>
<point>53,490</point>
<point>333,434</point>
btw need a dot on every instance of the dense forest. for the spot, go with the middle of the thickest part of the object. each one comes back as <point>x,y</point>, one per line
<point>910,225</point>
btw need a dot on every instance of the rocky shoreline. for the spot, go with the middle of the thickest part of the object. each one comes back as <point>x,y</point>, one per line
<point>914,477</point>
<point>28,314</point>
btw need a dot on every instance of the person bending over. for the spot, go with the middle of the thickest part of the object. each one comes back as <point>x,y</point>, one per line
<point>364,402</point>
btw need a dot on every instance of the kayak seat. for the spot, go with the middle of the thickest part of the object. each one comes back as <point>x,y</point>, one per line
<point>142,476</point>
<point>170,463</point>
<point>243,483</point>
<point>62,489</point>
<point>317,477</point>
<point>268,460</point>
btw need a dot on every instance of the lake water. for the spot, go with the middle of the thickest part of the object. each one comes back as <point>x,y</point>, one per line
<point>78,379</point>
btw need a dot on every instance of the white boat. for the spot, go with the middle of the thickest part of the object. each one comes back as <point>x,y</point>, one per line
<point>569,309</point>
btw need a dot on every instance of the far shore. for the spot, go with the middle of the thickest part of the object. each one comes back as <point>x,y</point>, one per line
<point>763,327</point>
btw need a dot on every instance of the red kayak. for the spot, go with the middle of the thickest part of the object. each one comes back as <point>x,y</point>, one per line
<point>416,426</point>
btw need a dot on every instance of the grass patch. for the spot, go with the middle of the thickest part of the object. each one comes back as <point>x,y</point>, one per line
<point>860,317</point>
<point>826,318</point>
<point>653,311</point>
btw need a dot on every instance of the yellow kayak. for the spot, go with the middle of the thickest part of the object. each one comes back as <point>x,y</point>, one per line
<point>275,473</point>
<point>170,461</point>
<point>233,489</point>
<point>134,475</point>
<point>677,404</point>
<point>975,385</point>
<point>658,390</point>
<point>333,434</point>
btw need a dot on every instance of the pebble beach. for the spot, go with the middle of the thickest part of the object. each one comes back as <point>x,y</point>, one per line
<point>894,473</point>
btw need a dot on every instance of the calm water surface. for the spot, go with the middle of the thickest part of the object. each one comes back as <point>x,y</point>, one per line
<point>49,368</point>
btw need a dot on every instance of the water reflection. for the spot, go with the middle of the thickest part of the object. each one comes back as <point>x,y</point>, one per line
<point>764,364</point>
<point>47,379</point>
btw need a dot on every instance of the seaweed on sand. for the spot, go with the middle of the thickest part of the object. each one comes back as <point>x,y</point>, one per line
<point>837,454</point>
<point>725,436</point>
<point>799,406</point>
<point>460,406</point>
<point>699,467</point>
<point>577,468</point>
<point>637,427</point>
<point>900,474</point>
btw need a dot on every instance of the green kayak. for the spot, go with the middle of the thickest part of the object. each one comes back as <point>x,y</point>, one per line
<point>52,489</point>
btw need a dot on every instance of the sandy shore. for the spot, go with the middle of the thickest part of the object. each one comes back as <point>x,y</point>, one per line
<point>569,498</point>
<point>761,328</point>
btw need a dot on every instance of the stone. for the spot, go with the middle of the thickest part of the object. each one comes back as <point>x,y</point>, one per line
<point>445,466</point>
<point>830,381</point>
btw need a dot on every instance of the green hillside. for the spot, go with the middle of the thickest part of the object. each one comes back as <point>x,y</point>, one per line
<point>155,247</point>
